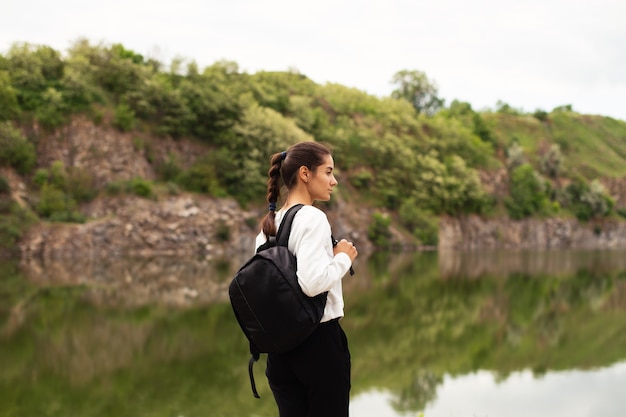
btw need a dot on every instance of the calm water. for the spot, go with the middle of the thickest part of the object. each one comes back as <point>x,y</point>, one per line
<point>455,334</point>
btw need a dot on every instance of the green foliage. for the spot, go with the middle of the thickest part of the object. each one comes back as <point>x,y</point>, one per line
<point>417,89</point>
<point>201,177</point>
<point>378,231</point>
<point>52,201</point>
<point>505,108</point>
<point>60,190</point>
<point>396,151</point>
<point>14,222</point>
<point>527,193</point>
<point>9,107</point>
<point>422,224</point>
<point>448,187</point>
<point>242,169</point>
<point>588,200</point>
<point>124,117</point>
<point>141,187</point>
<point>453,137</point>
<point>136,186</point>
<point>362,180</point>
<point>15,150</point>
<point>41,177</point>
<point>5,188</point>
<point>541,115</point>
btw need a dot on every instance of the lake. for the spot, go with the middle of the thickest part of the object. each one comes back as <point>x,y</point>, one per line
<point>498,333</point>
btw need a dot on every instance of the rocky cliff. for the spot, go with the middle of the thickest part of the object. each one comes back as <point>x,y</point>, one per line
<point>192,224</point>
<point>472,233</point>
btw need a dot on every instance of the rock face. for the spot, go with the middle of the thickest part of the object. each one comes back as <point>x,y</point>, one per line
<point>133,226</point>
<point>472,233</point>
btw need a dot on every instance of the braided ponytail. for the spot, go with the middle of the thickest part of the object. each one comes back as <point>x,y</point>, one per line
<point>273,193</point>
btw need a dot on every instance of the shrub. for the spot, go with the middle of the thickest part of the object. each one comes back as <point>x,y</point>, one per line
<point>362,179</point>
<point>52,200</point>
<point>201,177</point>
<point>5,188</point>
<point>588,201</point>
<point>13,223</point>
<point>527,193</point>
<point>124,118</point>
<point>422,224</point>
<point>15,150</point>
<point>41,177</point>
<point>141,187</point>
<point>541,115</point>
<point>378,231</point>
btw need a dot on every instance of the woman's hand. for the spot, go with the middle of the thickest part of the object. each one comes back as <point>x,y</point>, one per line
<point>346,247</point>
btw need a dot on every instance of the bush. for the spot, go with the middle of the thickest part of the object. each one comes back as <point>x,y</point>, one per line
<point>588,201</point>
<point>136,186</point>
<point>13,223</point>
<point>362,179</point>
<point>378,231</point>
<point>201,178</point>
<point>422,224</point>
<point>52,200</point>
<point>5,188</point>
<point>15,150</point>
<point>527,193</point>
<point>124,118</point>
<point>141,187</point>
<point>41,177</point>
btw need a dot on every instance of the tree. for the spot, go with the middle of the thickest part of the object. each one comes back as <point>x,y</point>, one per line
<point>417,89</point>
<point>9,106</point>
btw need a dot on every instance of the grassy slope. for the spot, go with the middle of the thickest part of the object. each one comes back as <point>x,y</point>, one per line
<point>593,146</point>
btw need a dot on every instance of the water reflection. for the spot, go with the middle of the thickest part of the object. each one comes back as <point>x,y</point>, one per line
<point>444,334</point>
<point>569,393</point>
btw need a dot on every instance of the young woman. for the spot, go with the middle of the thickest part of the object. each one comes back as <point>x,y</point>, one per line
<point>313,380</point>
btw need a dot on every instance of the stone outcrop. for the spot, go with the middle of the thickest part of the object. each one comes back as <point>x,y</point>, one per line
<point>473,232</point>
<point>133,226</point>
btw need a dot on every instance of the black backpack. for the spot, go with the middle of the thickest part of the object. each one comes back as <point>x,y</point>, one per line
<point>273,312</point>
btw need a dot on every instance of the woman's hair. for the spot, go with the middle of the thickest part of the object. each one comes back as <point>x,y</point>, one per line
<point>285,166</point>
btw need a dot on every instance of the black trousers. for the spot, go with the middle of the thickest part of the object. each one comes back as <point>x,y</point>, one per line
<point>313,380</point>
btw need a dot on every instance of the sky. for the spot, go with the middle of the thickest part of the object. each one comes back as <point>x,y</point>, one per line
<point>535,54</point>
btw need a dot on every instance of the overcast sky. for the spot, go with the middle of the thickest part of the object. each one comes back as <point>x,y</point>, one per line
<point>533,54</point>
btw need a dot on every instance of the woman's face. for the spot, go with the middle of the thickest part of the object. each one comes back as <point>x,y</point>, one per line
<point>322,182</point>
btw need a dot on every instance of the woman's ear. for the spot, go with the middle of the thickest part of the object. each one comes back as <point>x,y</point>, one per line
<point>304,174</point>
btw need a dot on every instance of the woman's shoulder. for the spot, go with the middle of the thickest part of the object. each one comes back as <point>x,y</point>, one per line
<point>311,213</point>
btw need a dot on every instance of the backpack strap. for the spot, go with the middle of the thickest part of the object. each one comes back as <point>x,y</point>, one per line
<point>282,236</point>
<point>255,355</point>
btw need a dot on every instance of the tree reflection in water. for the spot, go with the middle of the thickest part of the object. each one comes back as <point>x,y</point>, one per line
<point>157,336</point>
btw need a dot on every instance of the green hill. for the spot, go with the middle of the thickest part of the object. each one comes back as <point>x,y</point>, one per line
<point>407,155</point>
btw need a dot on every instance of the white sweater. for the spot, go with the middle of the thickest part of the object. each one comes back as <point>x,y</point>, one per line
<point>318,269</point>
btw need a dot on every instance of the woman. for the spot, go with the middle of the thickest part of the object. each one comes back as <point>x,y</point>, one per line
<point>313,380</point>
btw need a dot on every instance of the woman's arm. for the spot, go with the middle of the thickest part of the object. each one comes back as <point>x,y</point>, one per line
<point>318,268</point>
